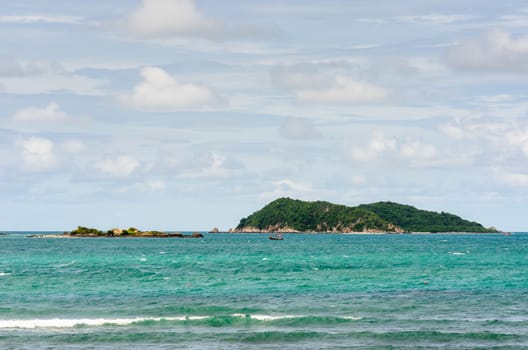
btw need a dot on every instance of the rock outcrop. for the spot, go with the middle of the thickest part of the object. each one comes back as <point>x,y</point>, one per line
<point>132,232</point>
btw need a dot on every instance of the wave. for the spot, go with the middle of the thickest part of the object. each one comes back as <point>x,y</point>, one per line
<point>266,317</point>
<point>298,317</point>
<point>216,321</point>
<point>73,322</point>
<point>65,264</point>
<point>4,274</point>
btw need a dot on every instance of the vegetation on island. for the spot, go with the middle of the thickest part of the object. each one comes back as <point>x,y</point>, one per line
<point>287,214</point>
<point>81,231</point>
<point>85,231</point>
<point>415,220</point>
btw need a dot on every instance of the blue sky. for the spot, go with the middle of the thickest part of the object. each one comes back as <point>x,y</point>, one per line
<point>182,114</point>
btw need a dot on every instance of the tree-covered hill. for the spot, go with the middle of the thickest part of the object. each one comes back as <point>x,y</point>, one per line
<point>287,214</point>
<point>415,220</point>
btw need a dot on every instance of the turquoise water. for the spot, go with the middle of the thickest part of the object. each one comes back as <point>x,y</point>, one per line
<point>247,292</point>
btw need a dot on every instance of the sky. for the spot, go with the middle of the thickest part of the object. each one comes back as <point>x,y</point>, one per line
<point>191,114</point>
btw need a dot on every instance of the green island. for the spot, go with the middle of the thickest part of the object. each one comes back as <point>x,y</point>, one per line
<point>291,215</point>
<point>81,231</point>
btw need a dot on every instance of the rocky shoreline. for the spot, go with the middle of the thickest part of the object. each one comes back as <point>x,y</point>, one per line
<point>276,229</point>
<point>288,230</point>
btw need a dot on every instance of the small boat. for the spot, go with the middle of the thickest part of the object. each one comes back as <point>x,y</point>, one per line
<point>276,237</point>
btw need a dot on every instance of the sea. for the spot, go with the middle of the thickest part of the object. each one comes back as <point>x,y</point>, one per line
<point>244,291</point>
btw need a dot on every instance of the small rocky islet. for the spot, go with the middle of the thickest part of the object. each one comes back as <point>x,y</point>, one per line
<point>131,232</point>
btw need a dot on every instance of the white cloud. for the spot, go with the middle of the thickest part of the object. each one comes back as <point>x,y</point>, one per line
<point>50,113</point>
<point>11,67</point>
<point>512,178</point>
<point>38,77</point>
<point>379,145</point>
<point>165,18</point>
<point>73,146</point>
<point>122,166</point>
<point>288,184</point>
<point>414,149</point>
<point>298,77</point>
<point>505,138</point>
<point>28,19</point>
<point>519,139</point>
<point>476,128</point>
<point>171,21</point>
<point>518,19</point>
<point>435,19</point>
<point>159,91</point>
<point>496,99</point>
<point>342,90</point>
<point>514,20</point>
<point>149,186</point>
<point>156,185</point>
<point>216,165</point>
<point>370,20</point>
<point>51,82</point>
<point>453,130</point>
<point>496,51</point>
<point>37,153</point>
<point>327,83</point>
<point>357,179</point>
<point>424,66</point>
<point>289,188</point>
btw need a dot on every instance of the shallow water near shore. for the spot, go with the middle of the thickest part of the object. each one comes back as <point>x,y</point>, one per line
<point>244,291</point>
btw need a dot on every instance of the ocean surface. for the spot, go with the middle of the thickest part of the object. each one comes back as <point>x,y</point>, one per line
<point>312,291</point>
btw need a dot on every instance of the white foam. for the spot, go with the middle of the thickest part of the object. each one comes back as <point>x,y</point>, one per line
<point>69,323</point>
<point>4,274</point>
<point>355,318</point>
<point>457,253</point>
<point>273,317</point>
<point>194,318</point>
<point>285,317</point>
<point>65,264</point>
<point>73,322</point>
<point>265,317</point>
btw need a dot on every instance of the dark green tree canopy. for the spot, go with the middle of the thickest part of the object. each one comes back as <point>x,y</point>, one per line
<point>320,216</point>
